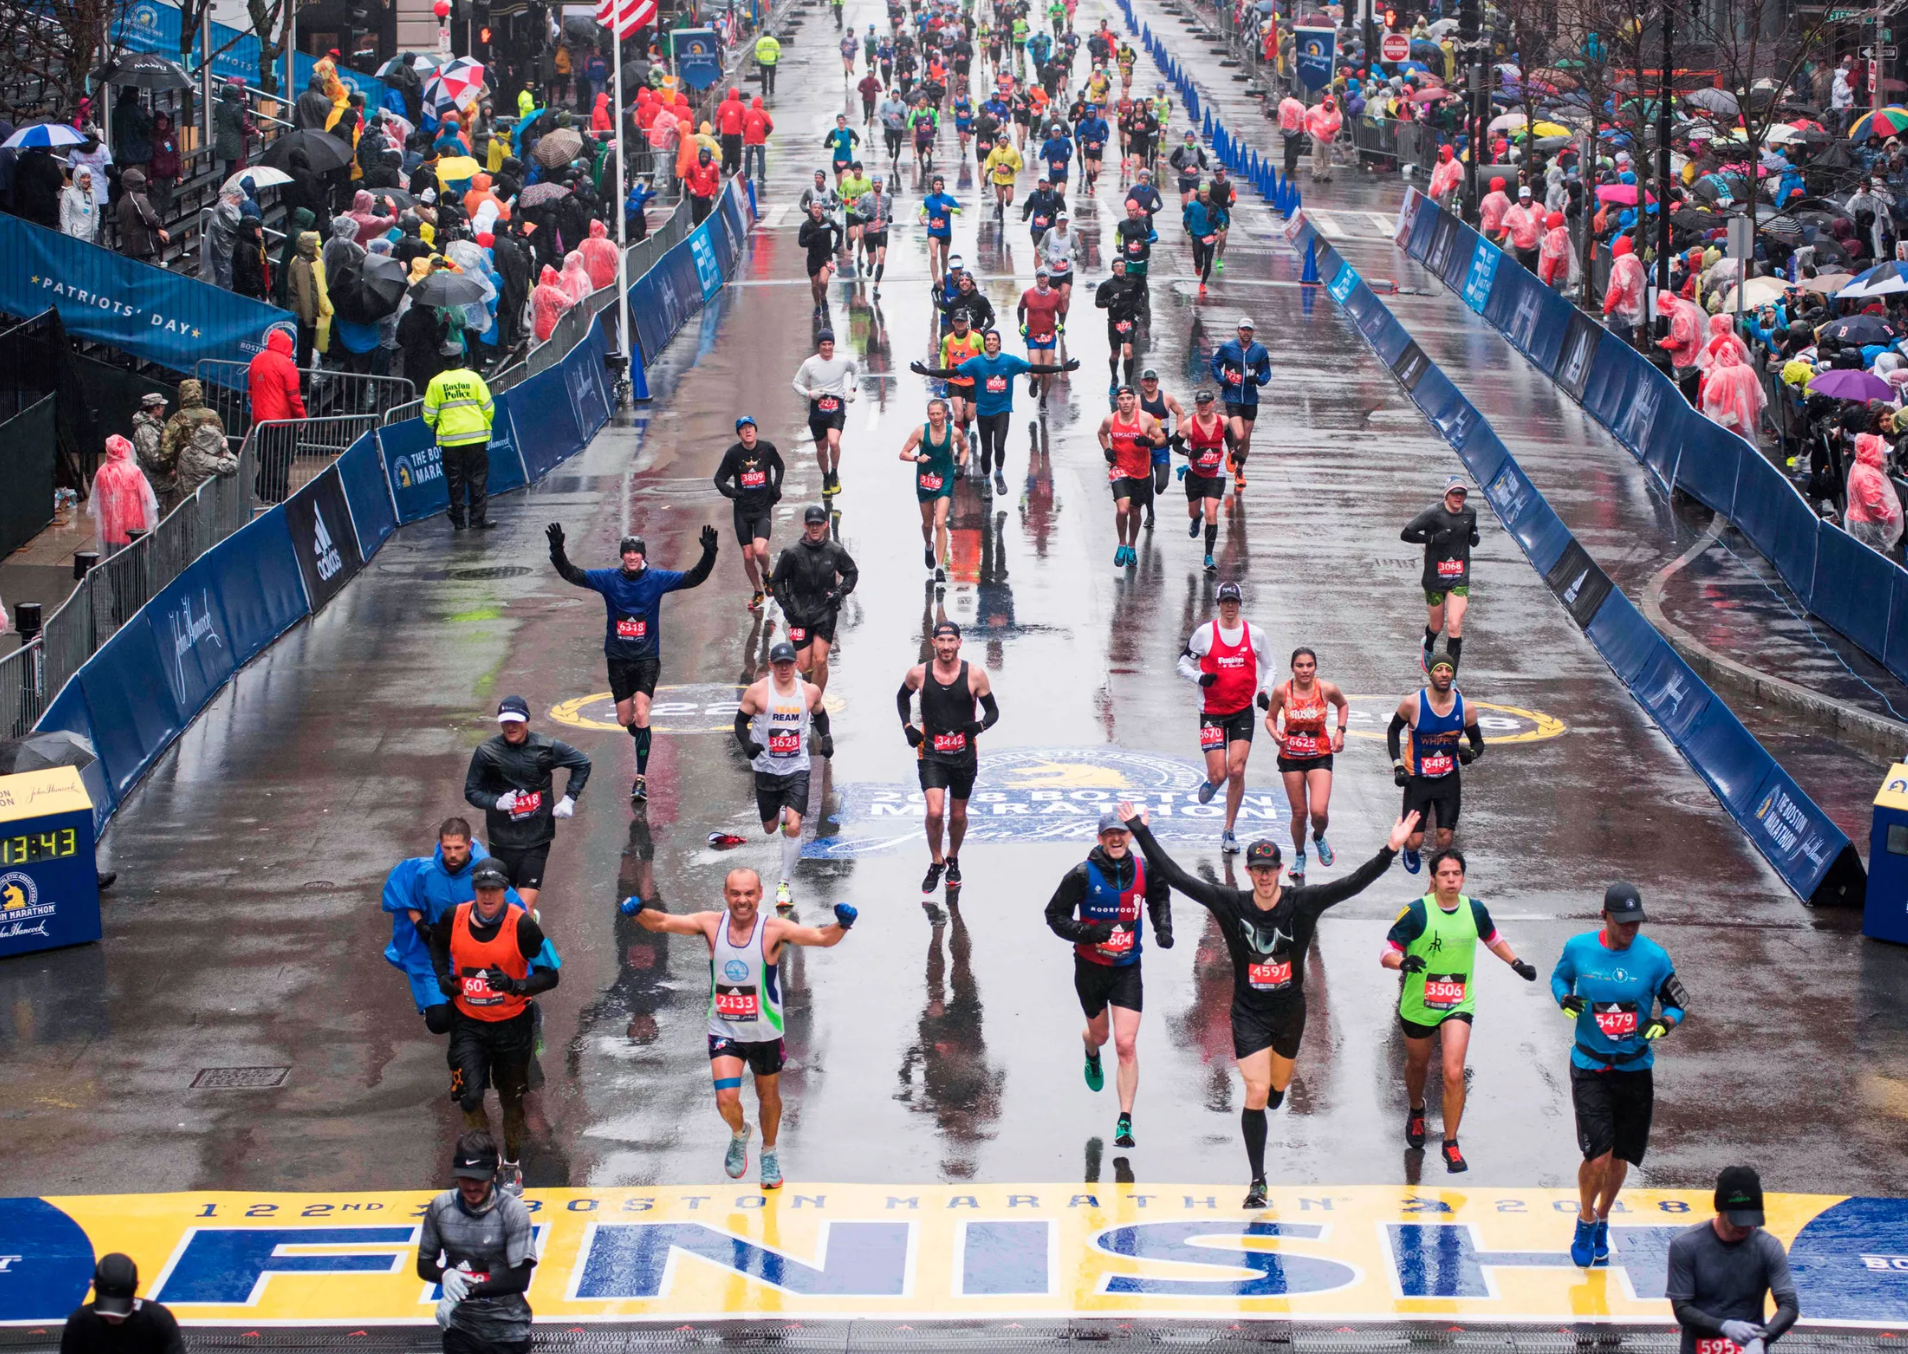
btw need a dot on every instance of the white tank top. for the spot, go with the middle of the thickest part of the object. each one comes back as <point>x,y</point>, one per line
<point>782,730</point>
<point>745,993</point>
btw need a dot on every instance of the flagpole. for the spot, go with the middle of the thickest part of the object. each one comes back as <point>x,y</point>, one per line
<point>622,198</point>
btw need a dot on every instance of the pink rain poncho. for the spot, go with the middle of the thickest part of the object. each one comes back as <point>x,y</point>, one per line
<point>547,303</point>
<point>576,277</point>
<point>599,254</point>
<point>1874,509</point>
<point>1624,295</point>
<point>1686,325</point>
<point>1447,176</point>
<point>122,501</point>
<point>1732,393</point>
<point>1553,259</point>
<point>1722,334</point>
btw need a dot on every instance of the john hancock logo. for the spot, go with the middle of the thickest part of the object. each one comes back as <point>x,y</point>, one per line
<point>188,631</point>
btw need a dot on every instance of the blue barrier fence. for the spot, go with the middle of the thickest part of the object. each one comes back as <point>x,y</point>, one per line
<point>134,696</point>
<point>1862,594</point>
<point>1811,854</point>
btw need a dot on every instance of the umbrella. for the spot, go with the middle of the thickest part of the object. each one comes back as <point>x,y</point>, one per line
<point>325,151</point>
<point>1505,121</point>
<point>393,124</point>
<point>1844,383</point>
<point>398,197</point>
<point>457,169</point>
<point>1860,329</point>
<point>1827,284</point>
<point>445,288</point>
<point>558,148</point>
<point>1551,75</point>
<point>1426,50</point>
<point>1711,100</point>
<point>1757,291</point>
<point>385,279</point>
<point>45,134</point>
<point>41,751</point>
<point>1689,218</point>
<point>1784,134</point>
<point>1541,127</point>
<point>144,70</point>
<point>421,62</point>
<point>262,176</point>
<point>1429,95</point>
<point>1884,279</point>
<point>1551,142</point>
<point>1888,121</point>
<point>539,193</point>
<point>456,85</point>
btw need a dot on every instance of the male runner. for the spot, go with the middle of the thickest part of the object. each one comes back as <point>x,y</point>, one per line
<point>938,211</point>
<point>993,372</point>
<point>1722,1273</point>
<point>1120,296</point>
<point>1127,438</point>
<point>869,87</point>
<point>1159,404</point>
<point>1039,314</point>
<point>632,630</point>
<point>1134,238</point>
<point>1436,715</point>
<point>1105,890</point>
<point>1306,751</point>
<point>1092,133</point>
<point>1226,658</point>
<point>1268,932</point>
<point>1205,444</point>
<point>750,477</point>
<point>477,1241</point>
<point>1240,366</point>
<point>828,383</point>
<point>945,744</point>
<point>811,578</point>
<point>511,778</point>
<point>1433,944</point>
<point>772,727</point>
<point>1055,250</point>
<point>894,128</point>
<point>745,1003</point>
<point>1039,210</point>
<point>1612,980</point>
<point>821,237</point>
<point>876,208</point>
<point>1447,530</point>
<point>958,345</point>
<point>938,455</point>
<point>1223,195</point>
<point>1188,162</point>
<point>853,187</point>
<point>482,953</point>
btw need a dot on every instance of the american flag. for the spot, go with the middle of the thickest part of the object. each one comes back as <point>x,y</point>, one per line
<point>628,15</point>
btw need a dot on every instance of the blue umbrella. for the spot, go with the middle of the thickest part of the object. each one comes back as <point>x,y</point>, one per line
<point>45,134</point>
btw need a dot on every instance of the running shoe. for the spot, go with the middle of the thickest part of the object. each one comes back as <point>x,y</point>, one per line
<point>932,879</point>
<point>1192,527</point>
<point>1238,481</point>
<point>510,1178</point>
<point>1000,482</point>
<point>1207,789</point>
<point>1149,518</point>
<point>1212,565</point>
<point>927,556</point>
<point>1228,843</point>
<point>1255,1196</point>
<point>639,790</point>
<point>755,602</point>
<point>1095,1076</point>
<point>1454,1161</point>
<point>1218,265</point>
<point>1033,386</point>
<point>1119,558</point>
<point>1411,861</point>
<point>1298,867</point>
<point>1202,289</point>
<point>1414,1127</point>
<point>1319,844</point>
<point>736,1160</point>
<point>1583,1244</point>
<point>1424,661</point>
<point>1123,1132</point>
<point>940,575</point>
<point>784,896</point>
<point>1600,1242</point>
<point>771,1169</point>
<point>953,872</point>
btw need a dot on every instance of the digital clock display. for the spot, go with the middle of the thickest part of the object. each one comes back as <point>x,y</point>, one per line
<point>26,848</point>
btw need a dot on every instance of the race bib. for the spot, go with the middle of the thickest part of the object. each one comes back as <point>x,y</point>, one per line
<point>1123,326</point>
<point>828,404</point>
<point>1135,247</point>
<point>1302,744</point>
<point>1617,1019</point>
<point>736,1002</point>
<point>754,479</point>
<point>1211,736</point>
<point>1234,378</point>
<point>1208,461</point>
<point>479,992</point>
<point>797,635</point>
<point>1120,942</point>
<point>1716,1344</point>
<point>929,481</point>
<point>1269,976</point>
<point>950,742</point>
<point>1436,764</point>
<point>996,384</point>
<point>784,744</point>
<point>1040,223</point>
<point>1450,568</point>
<point>937,223</point>
<point>528,802</point>
<point>1443,991</point>
<point>632,627</point>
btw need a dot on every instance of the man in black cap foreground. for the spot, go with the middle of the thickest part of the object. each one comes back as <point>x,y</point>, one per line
<point>482,953</point>
<point>1106,890</point>
<point>772,723</point>
<point>510,779</point>
<point>811,579</point>
<point>116,1322</point>
<point>1722,1271</point>
<point>1268,930</point>
<point>478,1243</point>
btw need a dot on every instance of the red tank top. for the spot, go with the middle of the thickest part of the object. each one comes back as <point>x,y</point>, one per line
<point>1132,453</point>
<point>1206,450</point>
<point>1238,669</point>
<point>1305,734</point>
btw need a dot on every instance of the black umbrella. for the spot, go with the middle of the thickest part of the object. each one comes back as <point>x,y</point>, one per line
<point>1863,329</point>
<point>1691,219</point>
<point>39,751</point>
<point>446,288</point>
<point>325,151</point>
<point>1782,228</point>
<point>144,70</point>
<point>385,279</point>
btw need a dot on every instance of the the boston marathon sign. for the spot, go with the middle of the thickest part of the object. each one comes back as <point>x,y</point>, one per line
<point>133,306</point>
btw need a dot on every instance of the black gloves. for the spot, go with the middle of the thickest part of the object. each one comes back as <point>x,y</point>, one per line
<point>1096,932</point>
<point>1411,963</point>
<point>1208,678</point>
<point>1528,972</point>
<point>1163,935</point>
<point>502,982</point>
<point>448,984</point>
<point>918,368</point>
<point>975,728</point>
<point>753,748</point>
<point>1265,701</point>
<point>1468,754</point>
<point>1399,776</point>
<point>824,745</point>
<point>1656,1027</point>
<point>1071,364</point>
<point>708,539</point>
<point>913,735</point>
<point>1572,1003</point>
<point>555,532</point>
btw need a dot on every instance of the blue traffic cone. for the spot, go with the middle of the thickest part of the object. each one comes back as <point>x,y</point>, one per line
<point>1310,275</point>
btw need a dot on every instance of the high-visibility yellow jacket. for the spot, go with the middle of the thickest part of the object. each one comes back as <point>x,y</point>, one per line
<point>767,49</point>
<point>457,406</point>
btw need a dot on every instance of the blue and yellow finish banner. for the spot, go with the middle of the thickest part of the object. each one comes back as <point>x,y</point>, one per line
<point>1318,1253</point>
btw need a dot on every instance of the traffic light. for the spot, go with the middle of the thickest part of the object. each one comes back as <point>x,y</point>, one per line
<point>1391,20</point>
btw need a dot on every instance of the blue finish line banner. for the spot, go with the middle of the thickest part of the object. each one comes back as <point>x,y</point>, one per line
<point>135,307</point>
<point>153,26</point>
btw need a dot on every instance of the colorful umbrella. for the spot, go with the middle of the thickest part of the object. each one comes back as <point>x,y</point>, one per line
<point>45,134</point>
<point>1884,279</point>
<point>1845,383</point>
<point>1860,329</point>
<point>421,62</point>
<point>457,85</point>
<point>539,193</point>
<point>457,169</point>
<point>1624,193</point>
<point>1889,121</point>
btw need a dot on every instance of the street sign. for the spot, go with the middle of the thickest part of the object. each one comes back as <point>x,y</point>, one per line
<point>1888,51</point>
<point>1396,47</point>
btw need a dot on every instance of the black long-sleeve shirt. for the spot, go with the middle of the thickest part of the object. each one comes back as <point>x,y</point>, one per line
<point>1267,945</point>
<point>821,239</point>
<point>1447,538</point>
<point>1063,908</point>
<point>1120,298</point>
<point>498,766</point>
<point>751,476</point>
<point>811,578</point>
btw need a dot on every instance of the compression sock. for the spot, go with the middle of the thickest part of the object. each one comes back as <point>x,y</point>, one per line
<point>880,268</point>
<point>1430,639</point>
<point>642,750</point>
<point>1129,370</point>
<point>1252,1124</point>
<point>1274,1098</point>
<point>1113,364</point>
<point>1455,647</point>
<point>791,852</point>
<point>1212,536</point>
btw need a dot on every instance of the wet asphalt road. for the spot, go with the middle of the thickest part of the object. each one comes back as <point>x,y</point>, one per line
<point>935,1043</point>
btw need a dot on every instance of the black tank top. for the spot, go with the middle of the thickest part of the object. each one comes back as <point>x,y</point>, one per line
<point>946,711</point>
<point>1155,407</point>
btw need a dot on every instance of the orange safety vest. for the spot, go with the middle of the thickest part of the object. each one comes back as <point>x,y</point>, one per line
<point>470,958</point>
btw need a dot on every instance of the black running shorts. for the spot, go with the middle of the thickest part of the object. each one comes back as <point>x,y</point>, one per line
<point>524,864</point>
<point>633,676</point>
<point>752,525</point>
<point>1439,795</point>
<point>1236,727</point>
<point>1280,1029</point>
<point>956,778</point>
<point>1102,985</point>
<point>773,793</point>
<point>764,1057</point>
<point>802,636</point>
<point>490,1053</point>
<point>1613,1112</point>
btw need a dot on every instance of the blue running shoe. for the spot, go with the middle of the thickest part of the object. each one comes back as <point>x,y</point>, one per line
<point>1600,1242</point>
<point>1211,566</point>
<point>1119,557</point>
<point>1228,844</point>
<point>1095,1074</point>
<point>771,1169</point>
<point>1581,1245</point>
<point>1325,856</point>
<point>1206,791</point>
<point>737,1160</point>
<point>1192,528</point>
<point>1298,867</point>
<point>1411,861</point>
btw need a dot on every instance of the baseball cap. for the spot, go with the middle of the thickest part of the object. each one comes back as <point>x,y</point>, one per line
<point>513,708</point>
<point>947,628</point>
<point>1523,190</point>
<point>1229,592</point>
<point>489,874</point>
<point>1042,272</point>
<point>1623,902</point>
<point>784,652</point>
<point>1245,322</point>
<point>1110,821</point>
<point>1149,375</point>
<point>745,419</point>
<point>1262,852</point>
<point>1739,1195</point>
<point>116,1279</point>
<point>814,512</point>
<point>474,1165</point>
<point>1126,390</point>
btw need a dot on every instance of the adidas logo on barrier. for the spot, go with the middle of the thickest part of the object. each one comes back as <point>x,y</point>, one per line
<point>323,550</point>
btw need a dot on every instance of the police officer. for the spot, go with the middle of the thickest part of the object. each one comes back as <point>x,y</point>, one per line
<point>510,779</point>
<point>477,1241</point>
<point>458,409</point>
<point>482,953</point>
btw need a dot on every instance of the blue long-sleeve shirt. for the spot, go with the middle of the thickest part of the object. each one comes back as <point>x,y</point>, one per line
<point>1241,370</point>
<point>993,381</point>
<point>1057,151</point>
<point>632,603</point>
<point>1621,990</point>
<point>1092,133</point>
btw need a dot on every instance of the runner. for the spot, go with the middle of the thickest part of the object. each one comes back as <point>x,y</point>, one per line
<point>772,724</point>
<point>828,383</point>
<point>938,210</point>
<point>1119,296</point>
<point>1204,471</point>
<point>1240,366</point>
<point>1159,404</point>
<point>632,629</point>
<point>869,87</point>
<point>1092,133</point>
<point>993,373</point>
<point>1040,209</point>
<point>511,778</point>
<point>822,239</point>
<point>1134,238</point>
<point>1226,658</point>
<point>477,1241</point>
<point>1612,981</point>
<point>1056,249</point>
<point>924,123</point>
<point>945,744</point>
<point>1223,194</point>
<point>1106,890</point>
<point>750,477</point>
<point>958,345</point>
<point>1003,164</point>
<point>482,952</point>
<point>1268,932</point>
<point>939,457</point>
<point>1722,1273</point>
<point>1306,750</point>
<point>1434,948</point>
<point>1447,530</point>
<point>854,186</point>
<point>1433,785</point>
<point>1127,439</point>
<point>1040,324</point>
<point>745,1003</point>
<point>1188,162</point>
<point>811,579</point>
<point>840,142</point>
<point>876,208</point>
<point>894,128</point>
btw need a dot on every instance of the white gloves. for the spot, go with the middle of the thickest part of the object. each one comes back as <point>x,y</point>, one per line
<point>565,808</point>
<point>457,1284</point>
<point>507,801</point>
<point>445,1307</point>
<point>1753,1347</point>
<point>1742,1332</point>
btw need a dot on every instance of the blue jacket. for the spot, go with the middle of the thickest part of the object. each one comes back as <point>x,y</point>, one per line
<point>1620,990</point>
<point>1057,151</point>
<point>1251,366</point>
<point>1202,220</point>
<point>1092,133</point>
<point>422,884</point>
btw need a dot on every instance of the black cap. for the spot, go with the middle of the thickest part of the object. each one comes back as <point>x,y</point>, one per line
<point>474,1165</point>
<point>513,709</point>
<point>1203,397</point>
<point>1229,592</point>
<point>826,336</point>
<point>783,652</point>
<point>1739,1195</point>
<point>116,1279</point>
<point>947,628</point>
<point>636,543</point>
<point>1623,903</point>
<point>1262,852</point>
<point>813,513</point>
<point>489,874</point>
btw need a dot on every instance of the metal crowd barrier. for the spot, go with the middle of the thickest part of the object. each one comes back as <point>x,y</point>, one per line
<point>327,390</point>
<point>20,701</point>
<point>1405,143</point>
<point>278,445</point>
